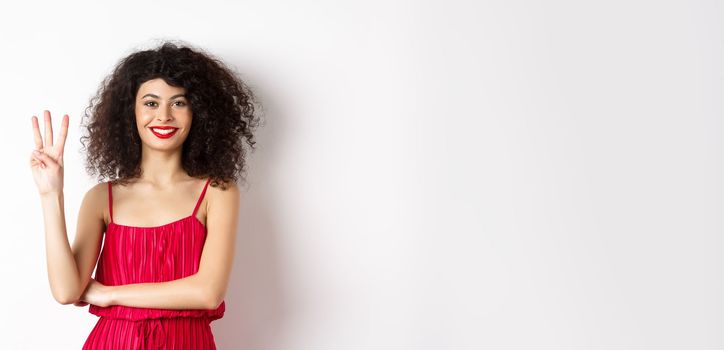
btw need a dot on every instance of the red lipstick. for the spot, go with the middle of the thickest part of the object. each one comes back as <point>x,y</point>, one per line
<point>163,136</point>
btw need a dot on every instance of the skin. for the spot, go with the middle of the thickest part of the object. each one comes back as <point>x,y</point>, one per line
<point>164,193</point>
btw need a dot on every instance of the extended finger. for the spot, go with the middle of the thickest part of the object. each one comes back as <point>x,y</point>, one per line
<point>48,129</point>
<point>63,134</point>
<point>36,133</point>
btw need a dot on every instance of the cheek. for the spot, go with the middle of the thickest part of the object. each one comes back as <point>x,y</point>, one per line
<point>188,119</point>
<point>143,116</point>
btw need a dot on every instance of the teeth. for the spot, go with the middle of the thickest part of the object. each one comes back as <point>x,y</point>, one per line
<point>163,132</point>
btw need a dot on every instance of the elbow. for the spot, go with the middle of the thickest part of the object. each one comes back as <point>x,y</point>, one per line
<point>212,299</point>
<point>65,296</point>
<point>65,299</point>
<point>210,294</point>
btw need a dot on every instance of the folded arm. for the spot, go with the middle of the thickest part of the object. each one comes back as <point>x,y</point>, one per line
<point>192,292</point>
<point>203,290</point>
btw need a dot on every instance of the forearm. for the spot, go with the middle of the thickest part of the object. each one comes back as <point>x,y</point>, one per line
<point>62,269</point>
<point>185,293</point>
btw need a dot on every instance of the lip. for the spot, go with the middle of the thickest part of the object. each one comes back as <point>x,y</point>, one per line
<point>162,136</point>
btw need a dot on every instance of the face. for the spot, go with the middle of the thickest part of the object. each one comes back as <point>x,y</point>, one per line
<point>163,115</point>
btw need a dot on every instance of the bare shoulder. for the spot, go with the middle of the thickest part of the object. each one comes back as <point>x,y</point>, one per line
<point>95,203</point>
<point>222,191</point>
<point>223,197</point>
<point>97,195</point>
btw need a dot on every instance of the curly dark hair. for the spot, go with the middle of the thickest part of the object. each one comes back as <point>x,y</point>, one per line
<point>223,108</point>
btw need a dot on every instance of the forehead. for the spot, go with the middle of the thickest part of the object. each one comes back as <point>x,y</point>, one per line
<point>159,87</point>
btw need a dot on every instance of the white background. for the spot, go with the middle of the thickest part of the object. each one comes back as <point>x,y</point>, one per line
<point>431,175</point>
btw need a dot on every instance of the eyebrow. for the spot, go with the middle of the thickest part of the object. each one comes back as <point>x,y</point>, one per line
<point>156,96</point>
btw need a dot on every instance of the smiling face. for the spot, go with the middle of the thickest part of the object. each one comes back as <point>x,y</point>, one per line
<point>163,115</point>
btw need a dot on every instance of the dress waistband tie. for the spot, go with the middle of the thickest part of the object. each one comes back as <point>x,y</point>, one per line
<point>151,334</point>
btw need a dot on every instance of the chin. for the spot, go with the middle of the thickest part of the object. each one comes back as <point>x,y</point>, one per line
<point>161,145</point>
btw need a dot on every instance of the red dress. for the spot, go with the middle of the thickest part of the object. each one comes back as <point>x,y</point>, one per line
<point>151,254</point>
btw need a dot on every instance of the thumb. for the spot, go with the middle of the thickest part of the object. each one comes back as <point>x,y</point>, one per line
<point>48,160</point>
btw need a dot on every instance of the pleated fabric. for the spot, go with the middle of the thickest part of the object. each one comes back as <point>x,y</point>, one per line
<point>164,333</point>
<point>163,253</point>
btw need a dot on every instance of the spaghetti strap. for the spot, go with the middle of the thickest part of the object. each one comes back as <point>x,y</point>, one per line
<point>110,202</point>
<point>201,197</point>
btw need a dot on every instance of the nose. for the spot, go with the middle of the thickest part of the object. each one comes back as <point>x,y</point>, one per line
<point>164,114</point>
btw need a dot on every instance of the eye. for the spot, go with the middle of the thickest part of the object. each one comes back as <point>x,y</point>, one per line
<point>150,104</point>
<point>180,103</point>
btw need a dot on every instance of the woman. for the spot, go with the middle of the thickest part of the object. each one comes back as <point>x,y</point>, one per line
<point>167,129</point>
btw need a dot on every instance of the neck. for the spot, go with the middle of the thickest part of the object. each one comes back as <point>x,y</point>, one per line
<point>161,168</point>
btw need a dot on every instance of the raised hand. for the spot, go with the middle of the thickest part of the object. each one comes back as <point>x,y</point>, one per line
<point>46,162</point>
